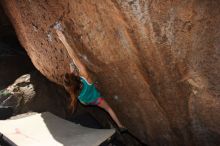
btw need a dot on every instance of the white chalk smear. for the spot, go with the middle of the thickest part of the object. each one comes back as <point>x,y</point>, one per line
<point>58,26</point>
<point>85,57</point>
<point>50,37</point>
<point>116,97</point>
<point>35,28</point>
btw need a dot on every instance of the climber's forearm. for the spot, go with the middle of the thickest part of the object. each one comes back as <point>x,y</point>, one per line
<point>76,61</point>
<point>72,54</point>
<point>70,51</point>
<point>81,68</point>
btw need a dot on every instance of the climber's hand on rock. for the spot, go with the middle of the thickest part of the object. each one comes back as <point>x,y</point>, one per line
<point>61,35</point>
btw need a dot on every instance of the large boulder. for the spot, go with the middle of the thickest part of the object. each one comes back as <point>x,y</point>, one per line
<point>156,61</point>
<point>13,64</point>
<point>33,92</point>
<point>24,89</point>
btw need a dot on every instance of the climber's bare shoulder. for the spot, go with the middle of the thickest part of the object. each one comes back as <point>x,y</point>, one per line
<point>84,73</point>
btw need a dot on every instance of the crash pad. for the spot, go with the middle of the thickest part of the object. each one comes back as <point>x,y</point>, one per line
<point>48,129</point>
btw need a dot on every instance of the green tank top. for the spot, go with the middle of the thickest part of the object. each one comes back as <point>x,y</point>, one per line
<point>89,93</point>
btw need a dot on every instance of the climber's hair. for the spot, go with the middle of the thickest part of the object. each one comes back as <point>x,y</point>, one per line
<point>72,85</point>
<point>72,82</point>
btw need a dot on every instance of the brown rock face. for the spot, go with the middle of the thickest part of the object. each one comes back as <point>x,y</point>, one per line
<point>157,61</point>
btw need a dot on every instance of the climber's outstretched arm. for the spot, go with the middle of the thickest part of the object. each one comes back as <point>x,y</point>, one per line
<point>72,54</point>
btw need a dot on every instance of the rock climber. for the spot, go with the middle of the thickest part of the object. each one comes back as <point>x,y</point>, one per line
<point>80,86</point>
